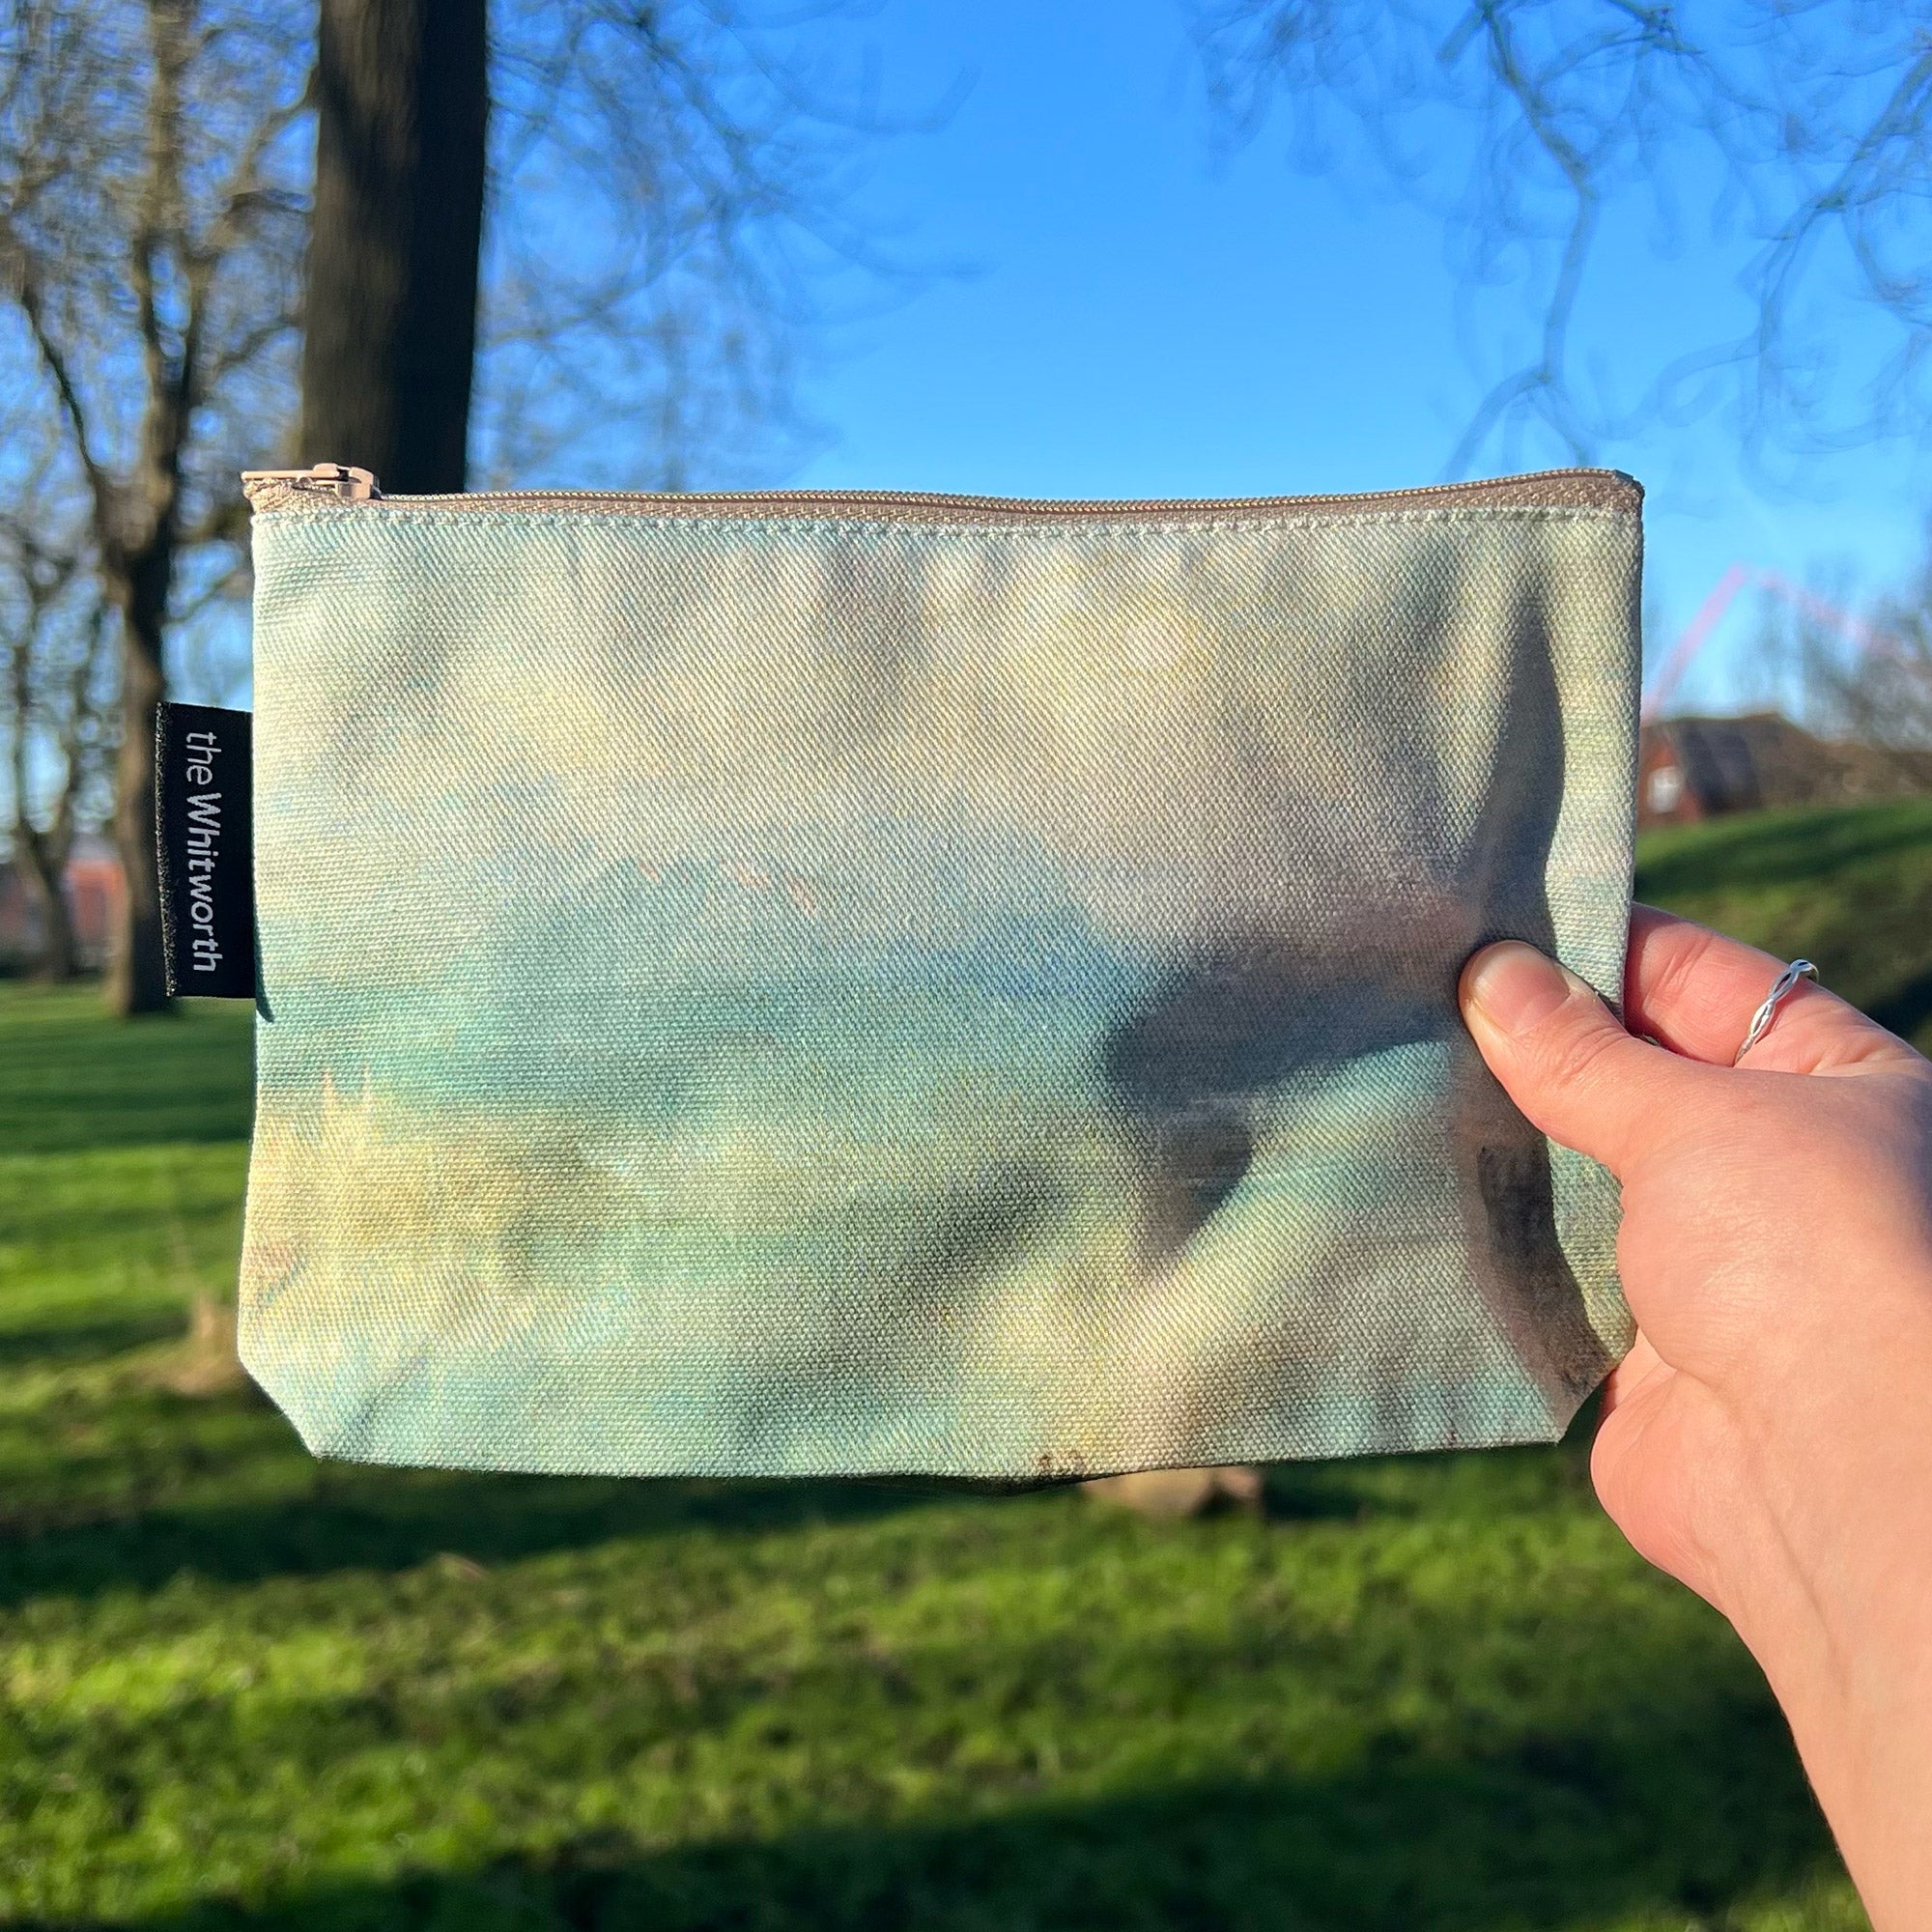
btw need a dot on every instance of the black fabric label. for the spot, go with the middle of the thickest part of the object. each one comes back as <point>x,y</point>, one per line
<point>201,782</point>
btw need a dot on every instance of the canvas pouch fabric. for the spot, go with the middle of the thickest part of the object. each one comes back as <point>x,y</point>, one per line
<point>813,984</point>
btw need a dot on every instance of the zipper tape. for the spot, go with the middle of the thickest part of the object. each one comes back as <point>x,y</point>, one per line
<point>344,484</point>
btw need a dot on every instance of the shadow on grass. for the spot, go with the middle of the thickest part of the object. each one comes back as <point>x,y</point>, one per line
<point>1780,847</point>
<point>353,1518</point>
<point>176,1514</point>
<point>78,1081</point>
<point>1661,1790</point>
<point>221,1489</point>
<point>60,1344</point>
<point>1907,1008</point>
<point>1565,1831</point>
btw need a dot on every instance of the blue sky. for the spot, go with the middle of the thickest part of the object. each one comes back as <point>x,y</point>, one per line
<point>1137,315</point>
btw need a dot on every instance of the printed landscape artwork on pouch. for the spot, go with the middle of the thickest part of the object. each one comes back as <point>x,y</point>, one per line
<point>825,983</point>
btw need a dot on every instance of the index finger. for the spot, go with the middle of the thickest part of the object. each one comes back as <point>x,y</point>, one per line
<point>1694,991</point>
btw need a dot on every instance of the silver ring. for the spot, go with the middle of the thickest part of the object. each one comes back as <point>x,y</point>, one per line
<point>1782,989</point>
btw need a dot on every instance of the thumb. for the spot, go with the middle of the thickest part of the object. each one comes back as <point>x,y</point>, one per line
<point>1564,1059</point>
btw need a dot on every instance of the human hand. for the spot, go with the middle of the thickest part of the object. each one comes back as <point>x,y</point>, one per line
<point>1768,1438</point>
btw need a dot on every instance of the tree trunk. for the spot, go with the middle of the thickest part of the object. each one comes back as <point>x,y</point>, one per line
<point>389,332</point>
<point>42,861</point>
<point>137,969</point>
<point>60,955</point>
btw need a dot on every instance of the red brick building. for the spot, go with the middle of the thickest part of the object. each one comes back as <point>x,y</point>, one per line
<point>93,891</point>
<point>1695,768</point>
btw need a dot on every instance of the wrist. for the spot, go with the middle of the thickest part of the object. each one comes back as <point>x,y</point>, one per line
<point>1823,1561</point>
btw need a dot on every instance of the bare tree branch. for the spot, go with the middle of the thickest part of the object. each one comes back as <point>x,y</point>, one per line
<point>55,704</point>
<point>1803,131</point>
<point>151,207</point>
<point>711,169</point>
<point>156,170</point>
<point>53,359</point>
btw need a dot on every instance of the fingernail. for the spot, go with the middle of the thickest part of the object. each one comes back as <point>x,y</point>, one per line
<point>1510,986</point>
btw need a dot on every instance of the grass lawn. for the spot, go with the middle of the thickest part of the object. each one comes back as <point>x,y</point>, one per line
<point>1850,889</point>
<point>239,1689</point>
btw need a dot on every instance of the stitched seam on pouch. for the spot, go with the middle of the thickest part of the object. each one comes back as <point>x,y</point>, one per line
<point>1062,526</point>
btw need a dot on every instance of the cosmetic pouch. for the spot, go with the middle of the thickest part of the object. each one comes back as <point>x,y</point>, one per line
<point>821,983</point>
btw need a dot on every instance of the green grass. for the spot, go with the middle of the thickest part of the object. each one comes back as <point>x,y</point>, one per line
<point>1850,889</point>
<point>242,1689</point>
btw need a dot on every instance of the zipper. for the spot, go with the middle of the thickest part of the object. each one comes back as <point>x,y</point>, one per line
<point>344,482</point>
<point>271,490</point>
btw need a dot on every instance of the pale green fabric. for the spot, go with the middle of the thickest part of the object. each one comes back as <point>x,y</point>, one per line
<point>750,995</point>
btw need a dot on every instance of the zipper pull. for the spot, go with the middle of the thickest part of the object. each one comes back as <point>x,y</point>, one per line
<point>344,481</point>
